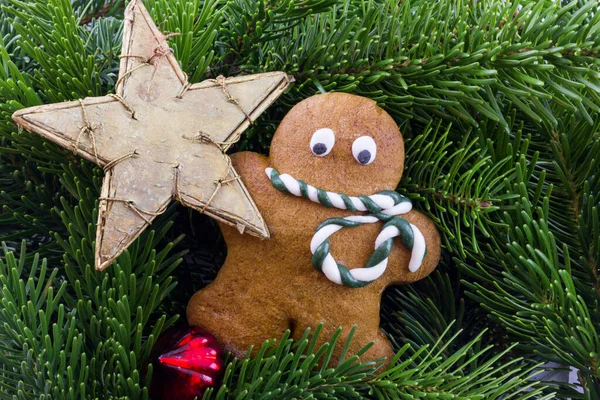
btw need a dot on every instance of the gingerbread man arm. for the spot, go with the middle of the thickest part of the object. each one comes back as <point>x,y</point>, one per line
<point>397,271</point>
<point>274,206</point>
<point>250,166</point>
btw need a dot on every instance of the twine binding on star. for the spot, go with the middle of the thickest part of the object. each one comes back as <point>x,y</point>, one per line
<point>131,204</point>
<point>130,71</point>
<point>186,86</point>
<point>220,182</point>
<point>220,80</point>
<point>88,129</point>
<point>118,160</point>
<point>126,105</point>
<point>204,138</point>
<point>158,53</point>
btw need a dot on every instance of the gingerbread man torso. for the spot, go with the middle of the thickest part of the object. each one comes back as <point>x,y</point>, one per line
<point>268,286</point>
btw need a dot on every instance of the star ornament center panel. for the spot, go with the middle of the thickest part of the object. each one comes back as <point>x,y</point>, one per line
<point>160,138</point>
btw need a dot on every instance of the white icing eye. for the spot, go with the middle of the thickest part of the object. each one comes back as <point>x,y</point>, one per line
<point>364,150</point>
<point>322,142</point>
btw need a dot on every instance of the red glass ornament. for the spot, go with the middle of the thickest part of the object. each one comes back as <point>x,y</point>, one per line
<point>186,361</point>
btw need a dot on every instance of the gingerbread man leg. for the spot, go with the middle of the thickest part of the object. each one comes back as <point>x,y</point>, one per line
<point>237,331</point>
<point>367,329</point>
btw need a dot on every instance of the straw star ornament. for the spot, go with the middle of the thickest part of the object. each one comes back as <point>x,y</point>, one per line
<point>160,138</point>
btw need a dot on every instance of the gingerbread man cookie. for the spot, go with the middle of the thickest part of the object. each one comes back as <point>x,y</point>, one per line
<point>339,233</point>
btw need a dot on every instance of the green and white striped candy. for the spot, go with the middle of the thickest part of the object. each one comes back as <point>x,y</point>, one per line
<point>388,201</point>
<point>384,206</point>
<point>323,261</point>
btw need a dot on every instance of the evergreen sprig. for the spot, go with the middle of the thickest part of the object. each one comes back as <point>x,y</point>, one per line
<point>462,62</point>
<point>498,102</point>
<point>41,346</point>
<point>288,369</point>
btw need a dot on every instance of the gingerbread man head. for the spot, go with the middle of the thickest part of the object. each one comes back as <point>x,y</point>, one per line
<point>341,143</point>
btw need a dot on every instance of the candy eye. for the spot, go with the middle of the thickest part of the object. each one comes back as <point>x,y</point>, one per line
<point>322,142</point>
<point>364,150</point>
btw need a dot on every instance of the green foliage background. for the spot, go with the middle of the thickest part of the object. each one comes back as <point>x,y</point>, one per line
<point>499,105</point>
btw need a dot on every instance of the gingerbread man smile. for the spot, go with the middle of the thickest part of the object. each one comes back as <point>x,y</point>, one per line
<point>341,158</point>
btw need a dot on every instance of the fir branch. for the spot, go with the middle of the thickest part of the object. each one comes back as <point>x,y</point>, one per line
<point>121,320</point>
<point>543,306</point>
<point>576,150</point>
<point>41,346</point>
<point>101,9</point>
<point>512,183</point>
<point>437,59</point>
<point>459,184</point>
<point>195,24</point>
<point>298,369</point>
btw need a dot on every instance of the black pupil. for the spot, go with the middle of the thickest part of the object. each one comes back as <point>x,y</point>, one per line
<point>364,156</point>
<point>320,148</point>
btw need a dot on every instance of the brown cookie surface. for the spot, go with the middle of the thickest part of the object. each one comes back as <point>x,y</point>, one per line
<point>268,286</point>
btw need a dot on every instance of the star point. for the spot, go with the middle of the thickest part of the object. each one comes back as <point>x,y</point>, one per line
<point>160,138</point>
